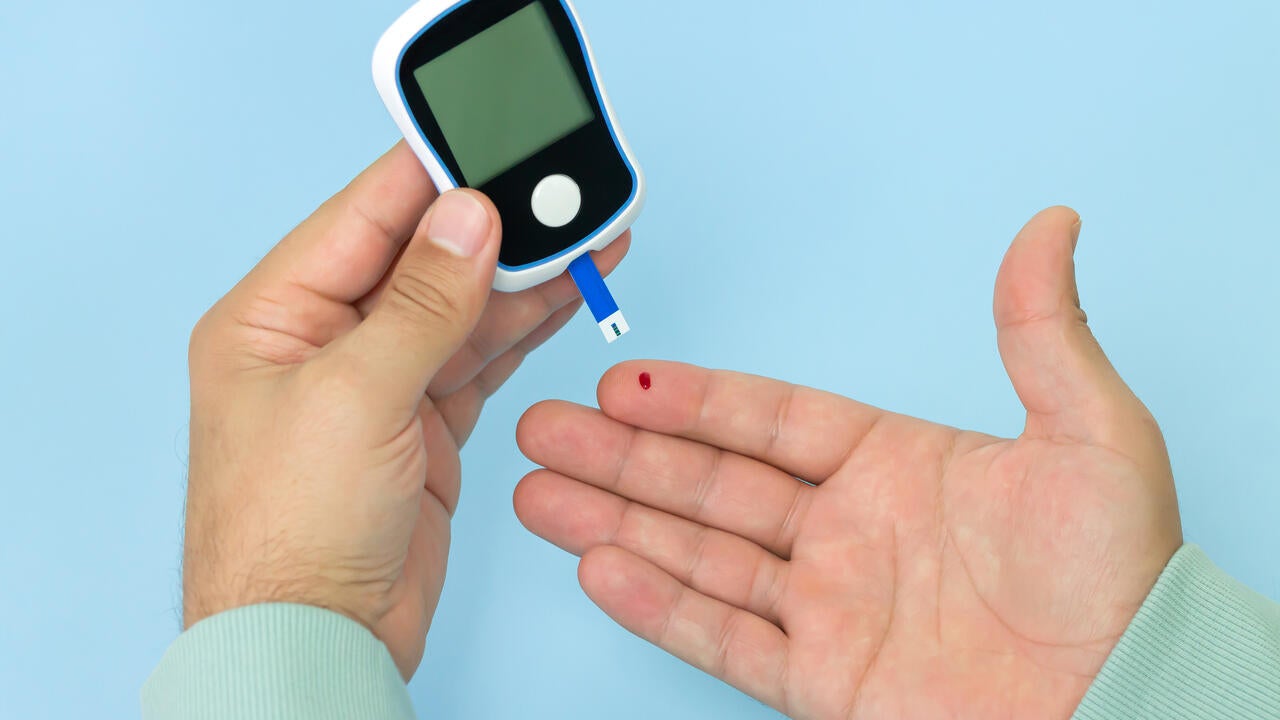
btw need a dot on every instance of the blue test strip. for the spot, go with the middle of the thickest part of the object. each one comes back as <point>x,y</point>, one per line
<point>599,300</point>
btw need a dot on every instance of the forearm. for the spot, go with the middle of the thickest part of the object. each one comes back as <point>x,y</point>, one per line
<point>1201,646</point>
<point>279,662</point>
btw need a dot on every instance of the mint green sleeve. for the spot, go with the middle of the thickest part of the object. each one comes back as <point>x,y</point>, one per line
<point>1202,647</point>
<point>280,662</point>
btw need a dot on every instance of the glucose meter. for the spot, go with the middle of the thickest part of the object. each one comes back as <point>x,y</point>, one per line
<point>503,96</point>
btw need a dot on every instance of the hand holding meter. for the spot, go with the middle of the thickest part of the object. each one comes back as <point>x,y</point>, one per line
<point>503,96</point>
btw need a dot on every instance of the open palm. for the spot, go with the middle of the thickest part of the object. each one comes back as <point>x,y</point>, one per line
<point>834,560</point>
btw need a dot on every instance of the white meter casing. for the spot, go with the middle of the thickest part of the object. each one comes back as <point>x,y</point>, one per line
<point>504,96</point>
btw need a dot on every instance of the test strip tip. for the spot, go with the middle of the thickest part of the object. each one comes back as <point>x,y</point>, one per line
<point>614,327</point>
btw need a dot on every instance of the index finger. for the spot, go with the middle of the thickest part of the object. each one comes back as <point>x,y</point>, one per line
<point>345,248</point>
<point>804,432</point>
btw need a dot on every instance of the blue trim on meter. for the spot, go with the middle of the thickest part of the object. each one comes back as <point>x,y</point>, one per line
<point>587,277</point>
<point>604,112</point>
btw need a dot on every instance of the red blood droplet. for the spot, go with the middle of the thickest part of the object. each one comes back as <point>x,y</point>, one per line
<point>646,381</point>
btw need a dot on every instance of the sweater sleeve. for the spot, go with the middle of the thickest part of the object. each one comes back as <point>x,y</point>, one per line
<point>280,662</point>
<point>1202,647</point>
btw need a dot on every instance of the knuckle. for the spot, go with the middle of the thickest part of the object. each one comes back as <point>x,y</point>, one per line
<point>427,293</point>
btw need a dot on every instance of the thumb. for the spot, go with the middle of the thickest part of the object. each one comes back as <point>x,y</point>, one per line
<point>1064,379</point>
<point>432,302</point>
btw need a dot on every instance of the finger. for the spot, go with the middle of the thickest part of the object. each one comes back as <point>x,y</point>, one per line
<point>801,431</point>
<point>1059,370</point>
<point>461,409</point>
<point>742,649</point>
<point>578,517</point>
<point>511,316</point>
<point>345,248</point>
<point>436,295</point>
<point>694,481</point>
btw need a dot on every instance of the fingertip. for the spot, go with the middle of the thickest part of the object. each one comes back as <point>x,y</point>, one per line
<point>1056,217</point>
<point>1059,214</point>
<point>554,430</point>
<point>495,218</point>
<point>609,381</point>
<point>465,223</point>
<point>654,394</point>
<point>529,426</point>
<point>608,259</point>
<point>527,499</point>
<point>590,572</point>
<point>1037,274</point>
<point>570,514</point>
<point>617,250</point>
<point>601,573</point>
<point>401,151</point>
<point>621,382</point>
<point>628,588</point>
<point>1050,224</point>
<point>399,164</point>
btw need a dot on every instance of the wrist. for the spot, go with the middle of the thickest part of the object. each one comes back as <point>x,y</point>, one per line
<point>213,591</point>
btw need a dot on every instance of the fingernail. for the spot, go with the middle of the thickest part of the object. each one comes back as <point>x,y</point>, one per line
<point>459,224</point>
<point>1075,232</point>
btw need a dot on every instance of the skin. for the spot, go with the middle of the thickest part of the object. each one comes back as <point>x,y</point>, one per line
<point>831,559</point>
<point>918,571</point>
<point>331,391</point>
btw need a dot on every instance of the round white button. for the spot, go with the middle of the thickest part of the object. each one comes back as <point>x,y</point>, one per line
<point>556,201</point>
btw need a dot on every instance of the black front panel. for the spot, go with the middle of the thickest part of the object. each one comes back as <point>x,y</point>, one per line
<point>589,155</point>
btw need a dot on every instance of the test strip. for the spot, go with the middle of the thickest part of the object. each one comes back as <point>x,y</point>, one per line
<point>599,300</point>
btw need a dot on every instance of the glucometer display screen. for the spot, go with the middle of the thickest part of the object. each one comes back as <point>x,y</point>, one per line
<point>505,94</point>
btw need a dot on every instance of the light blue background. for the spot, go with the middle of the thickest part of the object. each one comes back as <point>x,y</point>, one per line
<point>832,190</point>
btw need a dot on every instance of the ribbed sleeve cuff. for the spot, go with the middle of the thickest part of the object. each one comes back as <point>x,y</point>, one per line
<point>279,662</point>
<point>1202,647</point>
